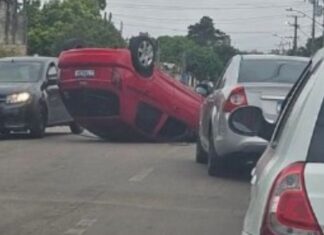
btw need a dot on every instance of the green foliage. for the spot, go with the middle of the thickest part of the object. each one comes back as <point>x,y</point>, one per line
<point>205,34</point>
<point>58,21</point>
<point>203,53</point>
<point>203,63</point>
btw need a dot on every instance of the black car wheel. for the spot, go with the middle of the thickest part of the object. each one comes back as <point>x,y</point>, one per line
<point>201,155</point>
<point>215,165</point>
<point>38,124</point>
<point>76,128</point>
<point>143,52</point>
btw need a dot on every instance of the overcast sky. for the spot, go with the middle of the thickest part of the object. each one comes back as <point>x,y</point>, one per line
<point>250,23</point>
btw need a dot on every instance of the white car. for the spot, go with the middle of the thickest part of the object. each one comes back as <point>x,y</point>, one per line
<point>287,195</point>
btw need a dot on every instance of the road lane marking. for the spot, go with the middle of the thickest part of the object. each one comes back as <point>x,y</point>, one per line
<point>86,222</point>
<point>116,203</point>
<point>75,231</point>
<point>141,175</point>
<point>81,227</point>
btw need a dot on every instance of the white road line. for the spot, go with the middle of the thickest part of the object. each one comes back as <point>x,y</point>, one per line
<point>141,175</point>
<point>75,231</point>
<point>86,223</point>
<point>81,227</point>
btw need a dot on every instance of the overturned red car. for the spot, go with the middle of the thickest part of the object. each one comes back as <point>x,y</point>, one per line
<point>118,94</point>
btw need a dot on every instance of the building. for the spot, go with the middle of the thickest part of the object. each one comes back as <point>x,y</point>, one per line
<point>12,28</point>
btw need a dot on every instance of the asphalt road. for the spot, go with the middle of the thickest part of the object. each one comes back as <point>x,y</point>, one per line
<point>73,185</point>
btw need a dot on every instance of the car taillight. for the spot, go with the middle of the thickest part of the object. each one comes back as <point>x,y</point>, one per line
<point>237,98</point>
<point>289,210</point>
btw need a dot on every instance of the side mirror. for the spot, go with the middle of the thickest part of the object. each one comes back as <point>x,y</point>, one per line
<point>205,88</point>
<point>201,90</point>
<point>249,121</point>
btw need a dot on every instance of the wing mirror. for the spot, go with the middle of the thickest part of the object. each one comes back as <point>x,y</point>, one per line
<point>249,121</point>
<point>205,88</point>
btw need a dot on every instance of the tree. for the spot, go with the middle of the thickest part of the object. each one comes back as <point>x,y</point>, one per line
<point>205,34</point>
<point>203,63</point>
<point>58,21</point>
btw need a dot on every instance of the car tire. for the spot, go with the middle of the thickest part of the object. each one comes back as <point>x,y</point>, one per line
<point>39,122</point>
<point>143,52</point>
<point>215,164</point>
<point>201,155</point>
<point>76,128</point>
<point>73,43</point>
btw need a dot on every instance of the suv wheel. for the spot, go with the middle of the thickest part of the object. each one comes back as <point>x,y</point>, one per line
<point>76,128</point>
<point>215,164</point>
<point>143,53</point>
<point>201,155</point>
<point>38,125</point>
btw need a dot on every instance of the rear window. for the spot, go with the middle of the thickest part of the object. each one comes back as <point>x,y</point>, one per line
<point>277,71</point>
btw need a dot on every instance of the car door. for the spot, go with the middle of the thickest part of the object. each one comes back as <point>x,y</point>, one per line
<point>57,112</point>
<point>210,103</point>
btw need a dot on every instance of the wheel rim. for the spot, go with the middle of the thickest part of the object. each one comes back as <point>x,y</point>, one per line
<point>146,54</point>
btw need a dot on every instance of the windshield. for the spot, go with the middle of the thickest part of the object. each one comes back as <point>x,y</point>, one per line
<point>15,71</point>
<point>275,71</point>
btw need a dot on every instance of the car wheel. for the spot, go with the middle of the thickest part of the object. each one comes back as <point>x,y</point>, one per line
<point>143,52</point>
<point>38,125</point>
<point>73,43</point>
<point>215,164</point>
<point>76,128</point>
<point>201,155</point>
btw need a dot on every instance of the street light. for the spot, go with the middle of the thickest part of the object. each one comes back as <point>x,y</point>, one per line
<point>315,3</point>
<point>304,14</point>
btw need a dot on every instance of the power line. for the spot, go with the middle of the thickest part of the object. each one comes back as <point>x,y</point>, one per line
<point>216,21</point>
<point>177,8</point>
<point>186,31</point>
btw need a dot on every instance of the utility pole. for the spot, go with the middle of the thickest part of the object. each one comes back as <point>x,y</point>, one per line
<point>323,26</point>
<point>295,37</point>
<point>296,26</point>
<point>121,28</point>
<point>315,6</point>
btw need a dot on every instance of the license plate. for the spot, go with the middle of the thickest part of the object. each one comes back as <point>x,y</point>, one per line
<point>84,73</point>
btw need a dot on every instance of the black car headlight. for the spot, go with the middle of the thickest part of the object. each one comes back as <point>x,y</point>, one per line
<point>18,98</point>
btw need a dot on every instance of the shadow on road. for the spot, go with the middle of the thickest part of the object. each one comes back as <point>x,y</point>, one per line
<point>235,172</point>
<point>241,172</point>
<point>25,136</point>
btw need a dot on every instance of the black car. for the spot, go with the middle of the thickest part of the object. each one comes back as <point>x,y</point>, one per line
<point>29,96</point>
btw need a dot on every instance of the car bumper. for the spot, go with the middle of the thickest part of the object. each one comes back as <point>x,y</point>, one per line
<point>229,143</point>
<point>15,117</point>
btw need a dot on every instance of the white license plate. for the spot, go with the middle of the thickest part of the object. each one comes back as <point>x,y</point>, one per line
<point>84,73</point>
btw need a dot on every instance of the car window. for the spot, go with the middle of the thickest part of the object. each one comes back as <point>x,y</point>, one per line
<point>291,100</point>
<point>277,71</point>
<point>15,71</point>
<point>316,150</point>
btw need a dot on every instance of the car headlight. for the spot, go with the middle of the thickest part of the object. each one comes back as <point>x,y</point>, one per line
<point>18,98</point>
